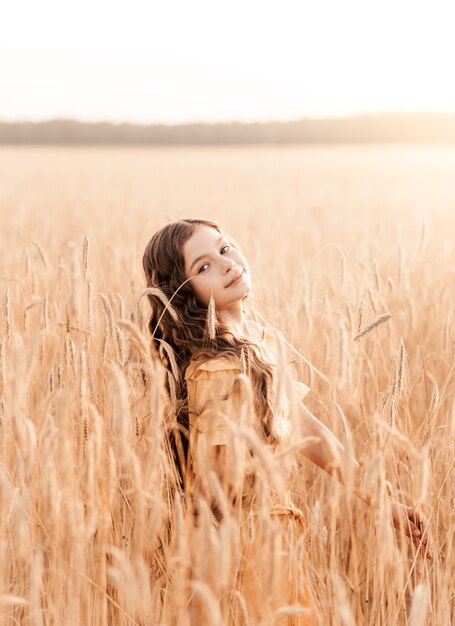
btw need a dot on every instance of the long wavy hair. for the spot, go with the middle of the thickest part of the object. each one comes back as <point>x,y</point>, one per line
<point>182,328</point>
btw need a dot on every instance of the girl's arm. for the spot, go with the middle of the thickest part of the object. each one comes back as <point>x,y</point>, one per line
<point>328,453</point>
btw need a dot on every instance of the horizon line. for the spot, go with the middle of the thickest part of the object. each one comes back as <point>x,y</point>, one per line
<point>225,121</point>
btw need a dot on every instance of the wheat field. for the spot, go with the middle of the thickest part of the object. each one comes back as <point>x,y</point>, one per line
<point>352,256</point>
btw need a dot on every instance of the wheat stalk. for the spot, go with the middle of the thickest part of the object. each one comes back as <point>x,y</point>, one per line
<point>376,274</point>
<point>7,313</point>
<point>2,367</point>
<point>342,351</point>
<point>377,322</point>
<point>360,316</point>
<point>154,291</point>
<point>41,254</point>
<point>423,235</point>
<point>371,299</point>
<point>75,279</point>
<point>210,323</point>
<point>400,371</point>
<point>85,251</point>
<point>343,264</point>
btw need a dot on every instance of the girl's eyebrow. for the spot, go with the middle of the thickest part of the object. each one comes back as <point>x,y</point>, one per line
<point>204,255</point>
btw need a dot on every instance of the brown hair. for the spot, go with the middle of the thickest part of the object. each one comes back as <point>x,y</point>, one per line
<point>178,325</point>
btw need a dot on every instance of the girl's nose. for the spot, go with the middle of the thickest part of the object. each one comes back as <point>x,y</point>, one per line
<point>228,265</point>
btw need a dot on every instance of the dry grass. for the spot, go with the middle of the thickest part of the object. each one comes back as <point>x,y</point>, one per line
<point>90,531</point>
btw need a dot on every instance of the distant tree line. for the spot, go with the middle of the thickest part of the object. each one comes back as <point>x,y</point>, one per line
<point>386,127</point>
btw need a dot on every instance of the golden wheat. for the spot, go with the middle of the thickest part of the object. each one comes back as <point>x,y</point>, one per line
<point>379,320</point>
<point>92,529</point>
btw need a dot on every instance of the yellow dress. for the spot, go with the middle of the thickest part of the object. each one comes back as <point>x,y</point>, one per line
<point>218,412</point>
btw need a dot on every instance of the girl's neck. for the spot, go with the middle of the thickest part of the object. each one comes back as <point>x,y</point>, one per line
<point>236,320</point>
<point>239,324</point>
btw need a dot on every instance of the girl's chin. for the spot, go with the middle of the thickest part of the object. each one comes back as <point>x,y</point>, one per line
<point>225,304</point>
<point>235,296</point>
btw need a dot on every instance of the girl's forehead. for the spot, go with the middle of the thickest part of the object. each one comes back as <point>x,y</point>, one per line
<point>203,237</point>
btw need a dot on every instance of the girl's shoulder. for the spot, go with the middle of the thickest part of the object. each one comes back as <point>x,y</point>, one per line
<point>264,334</point>
<point>269,340</point>
<point>222,362</point>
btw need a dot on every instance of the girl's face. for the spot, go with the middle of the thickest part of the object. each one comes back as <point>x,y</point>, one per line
<point>214,264</point>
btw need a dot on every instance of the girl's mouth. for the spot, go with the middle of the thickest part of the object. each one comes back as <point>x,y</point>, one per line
<point>235,280</point>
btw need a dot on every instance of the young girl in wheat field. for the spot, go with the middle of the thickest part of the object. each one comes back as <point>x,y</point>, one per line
<point>243,424</point>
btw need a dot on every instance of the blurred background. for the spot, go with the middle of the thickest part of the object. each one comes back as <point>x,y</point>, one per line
<point>209,72</point>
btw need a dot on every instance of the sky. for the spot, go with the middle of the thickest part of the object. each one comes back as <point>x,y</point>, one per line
<point>172,61</point>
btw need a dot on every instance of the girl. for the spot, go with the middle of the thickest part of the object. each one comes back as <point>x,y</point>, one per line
<point>241,413</point>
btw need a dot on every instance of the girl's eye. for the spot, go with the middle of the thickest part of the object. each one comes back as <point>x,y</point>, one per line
<point>201,269</point>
